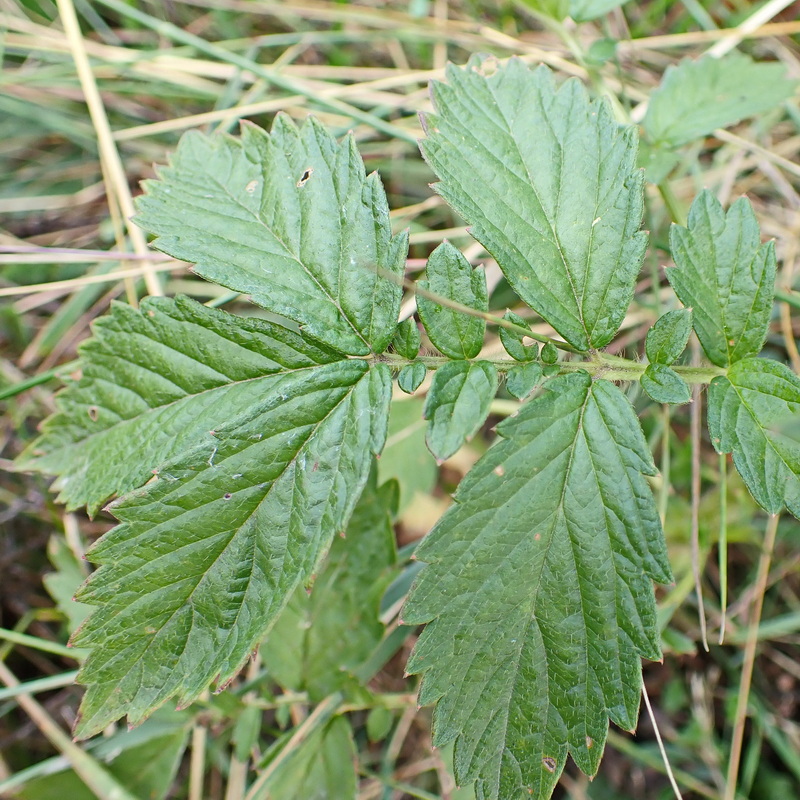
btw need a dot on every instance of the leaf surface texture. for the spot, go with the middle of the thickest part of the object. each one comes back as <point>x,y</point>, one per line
<point>290,219</point>
<point>209,553</point>
<point>726,276</point>
<point>752,413</point>
<point>548,182</point>
<point>458,404</point>
<point>538,592</point>
<point>154,383</point>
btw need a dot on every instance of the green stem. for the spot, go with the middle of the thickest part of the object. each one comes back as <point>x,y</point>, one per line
<point>493,319</point>
<point>672,203</point>
<point>601,365</point>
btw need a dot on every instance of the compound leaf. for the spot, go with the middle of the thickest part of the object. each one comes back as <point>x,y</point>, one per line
<point>451,276</point>
<point>696,97</point>
<point>548,181</point>
<point>724,273</point>
<point>155,382</point>
<point>210,552</point>
<point>752,413</point>
<point>321,637</point>
<point>290,219</point>
<point>667,339</point>
<point>664,385</point>
<point>538,592</point>
<point>458,404</point>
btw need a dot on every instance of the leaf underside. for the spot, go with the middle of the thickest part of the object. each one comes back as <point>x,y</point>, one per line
<point>752,413</point>
<point>290,219</point>
<point>726,276</point>
<point>538,593</point>
<point>560,210</point>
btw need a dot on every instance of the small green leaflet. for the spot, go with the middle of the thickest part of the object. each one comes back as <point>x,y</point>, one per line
<point>726,276</point>
<point>155,382</point>
<point>579,10</point>
<point>290,219</point>
<point>664,385</point>
<point>667,339</point>
<point>322,636</point>
<point>752,413</point>
<point>458,404</point>
<point>451,276</point>
<point>523,379</point>
<point>411,376</point>
<point>407,339</point>
<point>549,184</point>
<point>584,10</point>
<point>513,342</point>
<point>697,97</point>
<point>538,592</point>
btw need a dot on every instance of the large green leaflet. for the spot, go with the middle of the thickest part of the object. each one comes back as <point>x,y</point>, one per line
<point>549,184</point>
<point>290,219</point>
<point>261,438</point>
<point>752,412</point>
<point>538,592</point>
<point>208,555</point>
<point>154,384</point>
<point>726,276</point>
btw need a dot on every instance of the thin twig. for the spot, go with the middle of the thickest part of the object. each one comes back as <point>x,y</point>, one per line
<point>661,747</point>
<point>695,415</point>
<point>748,662</point>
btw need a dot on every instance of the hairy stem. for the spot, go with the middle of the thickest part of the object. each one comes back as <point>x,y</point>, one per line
<point>601,365</point>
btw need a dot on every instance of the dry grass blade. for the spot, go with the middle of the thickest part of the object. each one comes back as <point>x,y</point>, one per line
<point>118,182</point>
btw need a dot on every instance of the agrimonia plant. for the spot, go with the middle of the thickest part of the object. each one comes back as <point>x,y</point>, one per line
<point>537,593</point>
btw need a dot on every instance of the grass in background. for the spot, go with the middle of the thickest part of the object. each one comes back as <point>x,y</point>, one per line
<point>93,94</point>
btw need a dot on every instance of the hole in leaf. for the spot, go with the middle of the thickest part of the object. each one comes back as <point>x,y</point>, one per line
<point>304,178</point>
